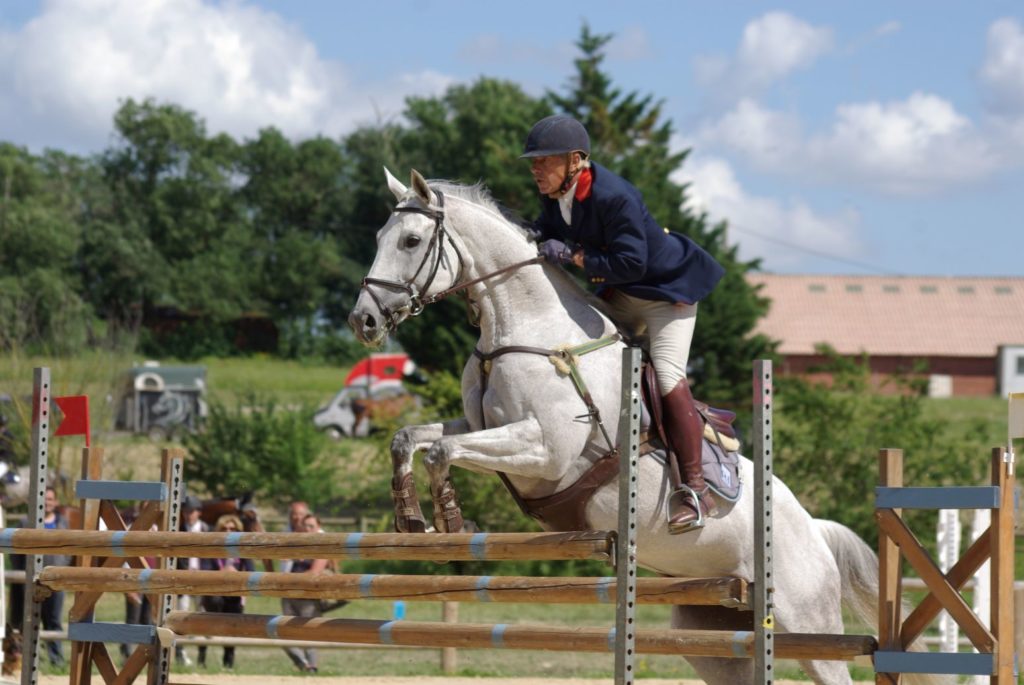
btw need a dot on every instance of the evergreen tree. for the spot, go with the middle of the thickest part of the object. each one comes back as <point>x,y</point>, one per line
<point>630,136</point>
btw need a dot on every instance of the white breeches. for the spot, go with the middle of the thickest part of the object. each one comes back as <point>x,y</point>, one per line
<point>669,328</point>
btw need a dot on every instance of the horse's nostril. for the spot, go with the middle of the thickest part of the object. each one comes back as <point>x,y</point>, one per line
<point>369,322</point>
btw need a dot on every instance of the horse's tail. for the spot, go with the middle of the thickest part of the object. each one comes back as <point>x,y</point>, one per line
<point>858,573</point>
<point>858,570</point>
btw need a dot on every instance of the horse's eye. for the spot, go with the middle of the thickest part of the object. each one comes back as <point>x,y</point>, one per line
<point>412,241</point>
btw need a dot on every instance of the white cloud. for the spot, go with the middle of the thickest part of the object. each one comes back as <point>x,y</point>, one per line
<point>1002,74</point>
<point>917,145</point>
<point>239,67</point>
<point>772,46</point>
<point>768,138</point>
<point>888,28</point>
<point>786,236</point>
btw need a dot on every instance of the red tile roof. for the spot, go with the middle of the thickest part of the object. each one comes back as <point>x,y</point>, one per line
<point>893,315</point>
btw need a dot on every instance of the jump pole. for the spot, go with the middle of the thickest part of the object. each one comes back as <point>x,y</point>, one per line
<point>729,592</point>
<point>367,546</point>
<point>710,643</point>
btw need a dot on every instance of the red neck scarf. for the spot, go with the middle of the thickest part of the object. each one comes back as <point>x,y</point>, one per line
<point>583,183</point>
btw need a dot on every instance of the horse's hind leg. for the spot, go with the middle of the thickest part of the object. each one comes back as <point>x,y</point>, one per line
<point>405,444</point>
<point>812,605</point>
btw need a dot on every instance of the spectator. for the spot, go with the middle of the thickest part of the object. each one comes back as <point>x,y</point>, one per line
<point>191,508</point>
<point>297,511</point>
<point>251,523</point>
<point>228,523</point>
<point>305,659</point>
<point>53,606</point>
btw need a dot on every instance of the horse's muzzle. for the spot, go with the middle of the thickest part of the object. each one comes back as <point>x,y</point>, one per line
<point>369,328</point>
<point>363,324</point>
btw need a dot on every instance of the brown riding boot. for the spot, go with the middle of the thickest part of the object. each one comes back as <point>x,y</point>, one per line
<point>691,501</point>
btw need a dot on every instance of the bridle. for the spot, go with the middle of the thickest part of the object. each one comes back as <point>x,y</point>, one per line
<point>417,300</point>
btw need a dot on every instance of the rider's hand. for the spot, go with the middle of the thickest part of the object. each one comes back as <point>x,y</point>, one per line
<point>555,252</point>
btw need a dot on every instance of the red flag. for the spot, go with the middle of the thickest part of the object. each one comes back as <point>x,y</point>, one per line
<point>76,416</point>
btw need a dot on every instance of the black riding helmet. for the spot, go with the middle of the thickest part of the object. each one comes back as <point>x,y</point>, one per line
<point>558,134</point>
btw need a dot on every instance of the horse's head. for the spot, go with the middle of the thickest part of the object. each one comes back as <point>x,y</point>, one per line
<point>417,257</point>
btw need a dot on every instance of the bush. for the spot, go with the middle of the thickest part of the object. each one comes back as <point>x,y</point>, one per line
<point>276,454</point>
<point>827,440</point>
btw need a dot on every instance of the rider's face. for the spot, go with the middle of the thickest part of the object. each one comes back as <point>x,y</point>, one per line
<point>548,173</point>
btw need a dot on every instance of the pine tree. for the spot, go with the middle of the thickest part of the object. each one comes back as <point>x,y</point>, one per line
<point>630,136</point>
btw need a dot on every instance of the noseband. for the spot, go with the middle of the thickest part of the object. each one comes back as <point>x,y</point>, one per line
<point>435,247</point>
<point>417,301</point>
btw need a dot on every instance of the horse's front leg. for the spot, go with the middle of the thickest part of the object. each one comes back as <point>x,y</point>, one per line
<point>405,444</point>
<point>514,448</point>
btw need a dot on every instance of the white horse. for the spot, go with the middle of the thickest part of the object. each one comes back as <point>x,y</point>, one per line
<point>523,419</point>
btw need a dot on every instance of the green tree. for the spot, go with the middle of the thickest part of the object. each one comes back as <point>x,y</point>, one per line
<point>176,235</point>
<point>297,203</point>
<point>630,136</point>
<point>41,306</point>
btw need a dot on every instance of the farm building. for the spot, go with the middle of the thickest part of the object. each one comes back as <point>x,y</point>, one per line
<point>969,331</point>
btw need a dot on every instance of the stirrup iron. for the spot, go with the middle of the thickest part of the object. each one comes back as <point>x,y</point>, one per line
<point>693,524</point>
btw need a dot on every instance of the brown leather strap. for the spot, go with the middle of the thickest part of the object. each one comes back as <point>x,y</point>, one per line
<point>565,509</point>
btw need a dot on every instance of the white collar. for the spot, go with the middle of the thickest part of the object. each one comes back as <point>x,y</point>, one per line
<point>565,204</point>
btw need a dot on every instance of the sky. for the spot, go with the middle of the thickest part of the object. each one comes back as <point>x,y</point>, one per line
<point>838,138</point>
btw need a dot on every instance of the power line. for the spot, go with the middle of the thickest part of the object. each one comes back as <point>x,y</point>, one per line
<point>816,253</point>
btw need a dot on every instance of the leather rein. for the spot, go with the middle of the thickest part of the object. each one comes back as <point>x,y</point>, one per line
<point>435,248</point>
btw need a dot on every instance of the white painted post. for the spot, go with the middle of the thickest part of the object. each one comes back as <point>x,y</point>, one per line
<point>983,577</point>
<point>982,593</point>
<point>948,545</point>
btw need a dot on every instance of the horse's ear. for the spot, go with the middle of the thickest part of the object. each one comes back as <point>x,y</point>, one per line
<point>395,185</point>
<point>419,184</point>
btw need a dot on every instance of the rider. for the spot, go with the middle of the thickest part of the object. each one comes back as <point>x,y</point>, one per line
<point>650,277</point>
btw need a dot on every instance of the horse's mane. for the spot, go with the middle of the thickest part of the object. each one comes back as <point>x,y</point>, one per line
<point>479,195</point>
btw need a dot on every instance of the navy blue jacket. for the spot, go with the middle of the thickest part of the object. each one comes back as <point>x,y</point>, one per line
<point>623,246</point>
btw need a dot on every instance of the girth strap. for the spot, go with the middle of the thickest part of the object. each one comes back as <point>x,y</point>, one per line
<point>566,356</point>
<point>565,509</point>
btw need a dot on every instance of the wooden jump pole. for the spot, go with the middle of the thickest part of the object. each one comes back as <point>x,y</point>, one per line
<point>371,546</point>
<point>595,590</point>
<point>710,643</point>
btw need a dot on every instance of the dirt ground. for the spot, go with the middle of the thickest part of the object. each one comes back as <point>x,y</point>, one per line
<point>199,679</point>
